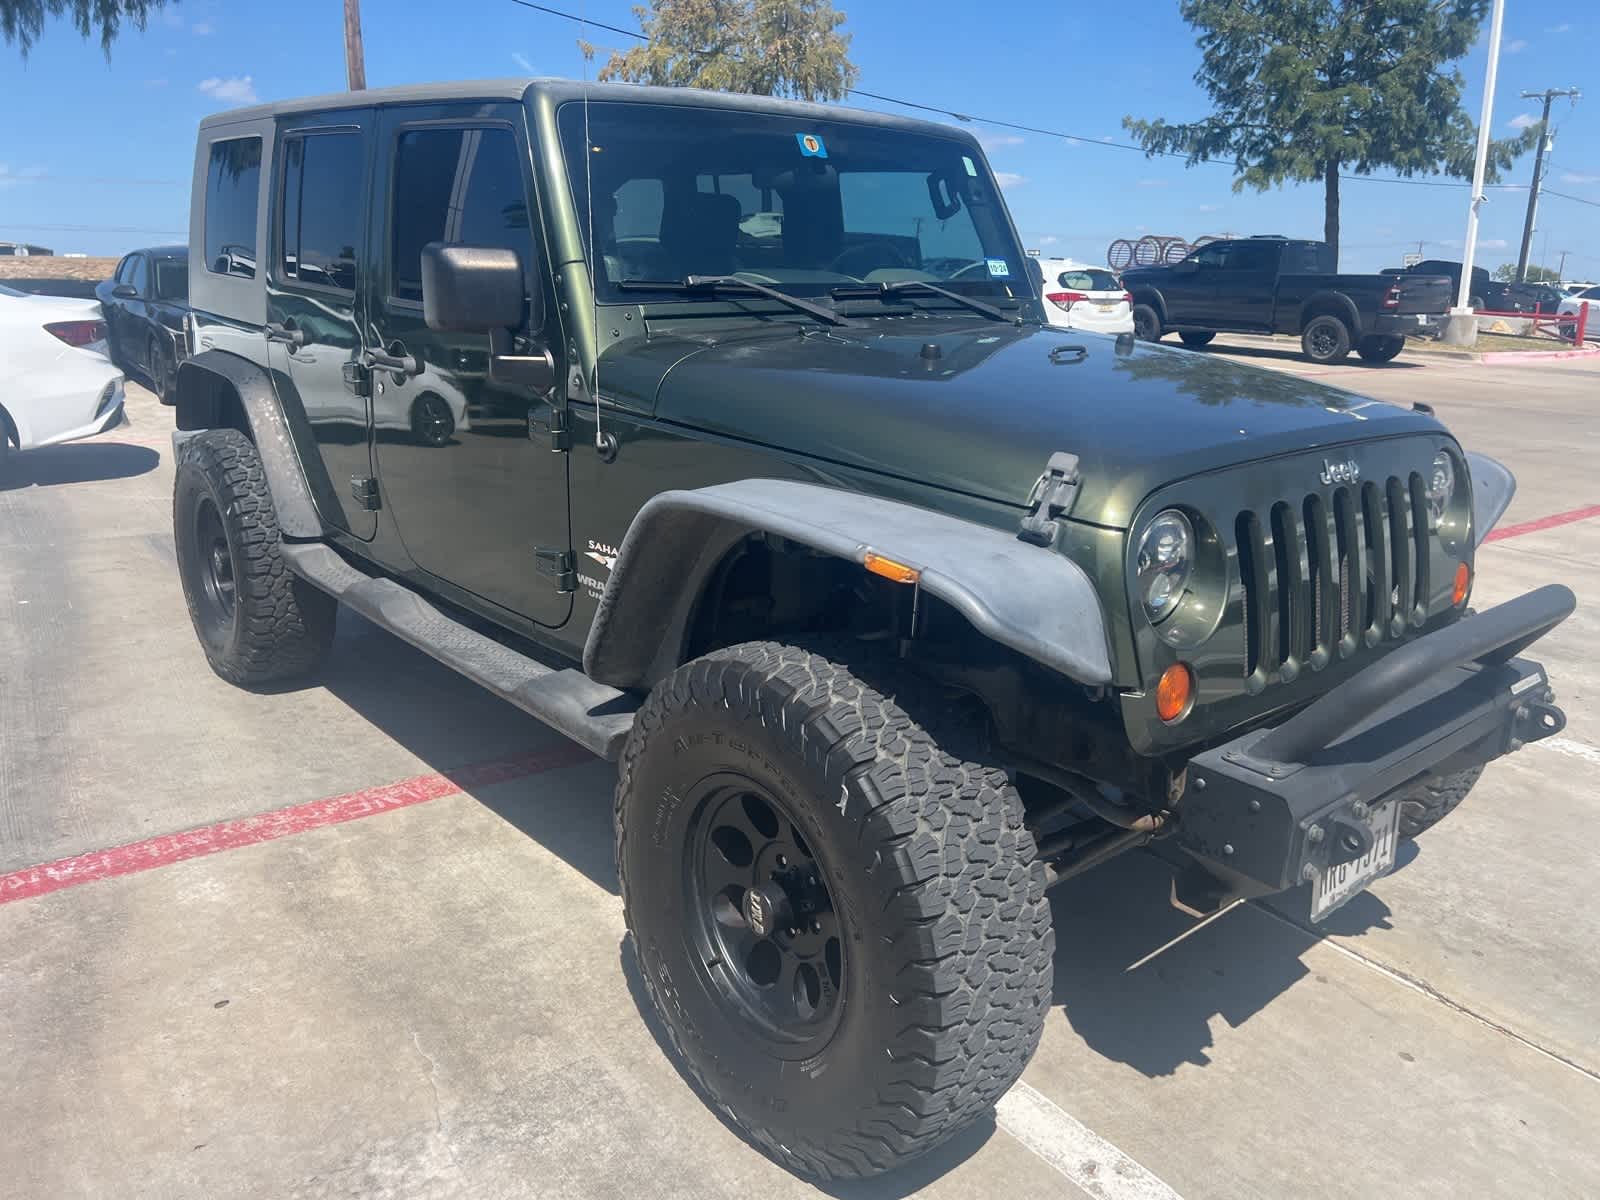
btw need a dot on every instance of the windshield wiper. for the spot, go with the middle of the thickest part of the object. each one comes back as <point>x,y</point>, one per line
<point>732,283</point>
<point>890,287</point>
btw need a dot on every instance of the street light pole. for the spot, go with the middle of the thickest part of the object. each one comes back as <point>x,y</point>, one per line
<point>1462,327</point>
<point>355,58</point>
<point>1545,143</point>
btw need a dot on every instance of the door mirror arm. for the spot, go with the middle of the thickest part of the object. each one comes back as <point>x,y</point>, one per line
<point>535,370</point>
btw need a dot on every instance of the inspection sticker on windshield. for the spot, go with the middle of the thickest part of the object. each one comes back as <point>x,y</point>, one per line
<point>998,268</point>
<point>972,167</point>
<point>811,145</point>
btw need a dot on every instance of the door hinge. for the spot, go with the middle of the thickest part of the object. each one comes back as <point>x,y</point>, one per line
<point>554,427</point>
<point>1051,498</point>
<point>558,565</point>
<point>357,379</point>
<point>365,490</point>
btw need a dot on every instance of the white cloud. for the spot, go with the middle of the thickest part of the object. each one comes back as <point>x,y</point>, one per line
<point>172,18</point>
<point>1208,208</point>
<point>10,178</point>
<point>1048,239</point>
<point>1575,177</point>
<point>1523,120</point>
<point>1492,243</point>
<point>1151,183</point>
<point>994,141</point>
<point>1561,28</point>
<point>1516,47</point>
<point>1009,179</point>
<point>1108,139</point>
<point>521,60</point>
<point>202,29</point>
<point>236,89</point>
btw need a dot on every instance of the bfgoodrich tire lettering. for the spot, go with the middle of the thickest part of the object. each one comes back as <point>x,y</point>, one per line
<point>257,621</point>
<point>939,901</point>
<point>1433,800</point>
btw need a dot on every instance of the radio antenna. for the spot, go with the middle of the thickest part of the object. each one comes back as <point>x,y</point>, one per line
<point>588,193</point>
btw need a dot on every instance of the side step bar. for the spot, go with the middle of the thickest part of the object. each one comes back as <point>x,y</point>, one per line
<point>592,714</point>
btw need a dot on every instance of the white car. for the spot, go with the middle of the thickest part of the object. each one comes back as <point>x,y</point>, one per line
<point>1077,296</point>
<point>57,383</point>
<point>1589,298</point>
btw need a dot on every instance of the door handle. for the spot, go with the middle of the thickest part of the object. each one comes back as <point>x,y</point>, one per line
<point>285,334</point>
<point>400,364</point>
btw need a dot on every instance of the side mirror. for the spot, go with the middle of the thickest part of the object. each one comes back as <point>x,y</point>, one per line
<point>125,291</point>
<point>474,289</point>
<point>1186,266</point>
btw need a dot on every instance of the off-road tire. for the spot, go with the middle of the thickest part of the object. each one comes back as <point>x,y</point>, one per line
<point>948,944</point>
<point>1195,340</point>
<point>1434,799</point>
<point>280,627</point>
<point>1146,323</point>
<point>1325,339</point>
<point>1380,348</point>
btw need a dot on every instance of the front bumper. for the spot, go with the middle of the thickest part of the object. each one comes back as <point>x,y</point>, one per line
<point>1268,810</point>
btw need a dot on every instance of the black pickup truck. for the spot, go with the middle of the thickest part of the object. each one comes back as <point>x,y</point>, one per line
<point>1275,285</point>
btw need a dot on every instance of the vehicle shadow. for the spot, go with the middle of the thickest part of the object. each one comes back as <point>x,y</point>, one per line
<point>1156,1016</point>
<point>1292,354</point>
<point>77,462</point>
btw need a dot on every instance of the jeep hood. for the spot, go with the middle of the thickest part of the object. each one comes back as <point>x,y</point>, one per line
<point>978,407</point>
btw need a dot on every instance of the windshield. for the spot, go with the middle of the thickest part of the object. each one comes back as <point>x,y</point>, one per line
<point>806,206</point>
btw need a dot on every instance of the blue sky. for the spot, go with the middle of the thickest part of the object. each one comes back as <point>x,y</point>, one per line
<point>93,145</point>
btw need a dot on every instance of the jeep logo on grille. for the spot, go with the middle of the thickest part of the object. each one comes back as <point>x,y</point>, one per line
<point>1340,472</point>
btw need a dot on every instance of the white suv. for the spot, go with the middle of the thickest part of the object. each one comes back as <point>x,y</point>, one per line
<point>1077,296</point>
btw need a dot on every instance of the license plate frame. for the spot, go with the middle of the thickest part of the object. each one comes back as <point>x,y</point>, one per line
<point>1332,887</point>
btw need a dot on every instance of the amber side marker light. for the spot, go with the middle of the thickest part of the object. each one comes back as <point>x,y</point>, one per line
<point>1174,692</point>
<point>1458,591</point>
<point>898,572</point>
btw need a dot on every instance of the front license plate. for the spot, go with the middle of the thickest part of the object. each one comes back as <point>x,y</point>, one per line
<point>1334,885</point>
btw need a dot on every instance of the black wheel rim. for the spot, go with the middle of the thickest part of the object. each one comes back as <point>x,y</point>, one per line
<point>218,587</point>
<point>783,984</point>
<point>1322,341</point>
<point>1144,327</point>
<point>433,421</point>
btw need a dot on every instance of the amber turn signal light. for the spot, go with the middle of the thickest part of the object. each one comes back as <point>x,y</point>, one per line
<point>896,572</point>
<point>1458,590</point>
<point>1174,692</point>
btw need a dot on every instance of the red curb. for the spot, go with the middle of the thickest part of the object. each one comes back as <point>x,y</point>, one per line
<point>172,848</point>
<point>1502,357</point>
<point>1566,518</point>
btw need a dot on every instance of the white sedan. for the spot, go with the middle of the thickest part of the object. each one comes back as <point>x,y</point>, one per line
<point>1589,298</point>
<point>56,382</point>
<point>1083,297</point>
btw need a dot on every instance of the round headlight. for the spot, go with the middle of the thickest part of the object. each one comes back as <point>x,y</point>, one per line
<point>1441,485</point>
<point>1166,555</point>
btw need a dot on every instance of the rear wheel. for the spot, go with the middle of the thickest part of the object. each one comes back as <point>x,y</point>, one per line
<point>839,920</point>
<point>431,420</point>
<point>1146,323</point>
<point>1326,339</point>
<point>1376,349</point>
<point>160,368</point>
<point>1434,799</point>
<point>1195,340</point>
<point>257,621</point>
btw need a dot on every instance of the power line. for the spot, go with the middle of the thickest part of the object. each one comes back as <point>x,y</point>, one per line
<point>94,229</point>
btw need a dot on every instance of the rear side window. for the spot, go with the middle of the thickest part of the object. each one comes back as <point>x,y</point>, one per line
<point>322,209</point>
<point>1090,280</point>
<point>233,180</point>
<point>458,186</point>
<point>172,279</point>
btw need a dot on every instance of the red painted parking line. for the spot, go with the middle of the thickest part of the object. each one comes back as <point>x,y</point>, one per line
<point>1566,518</point>
<point>172,848</point>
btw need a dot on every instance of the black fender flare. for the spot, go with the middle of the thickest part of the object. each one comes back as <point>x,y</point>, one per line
<point>1335,304</point>
<point>207,386</point>
<point>1493,485</point>
<point>1033,600</point>
<point>1151,295</point>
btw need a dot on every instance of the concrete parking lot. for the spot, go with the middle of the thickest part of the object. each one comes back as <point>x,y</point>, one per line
<point>363,937</point>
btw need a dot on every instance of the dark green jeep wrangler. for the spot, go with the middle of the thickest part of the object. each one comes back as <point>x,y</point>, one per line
<point>723,435</point>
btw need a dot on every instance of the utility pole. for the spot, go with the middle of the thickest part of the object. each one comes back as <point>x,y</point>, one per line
<point>355,58</point>
<point>1461,327</point>
<point>1561,271</point>
<point>1547,95</point>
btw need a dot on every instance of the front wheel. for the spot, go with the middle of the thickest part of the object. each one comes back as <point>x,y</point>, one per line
<point>432,423</point>
<point>840,921</point>
<point>1432,800</point>
<point>1146,323</point>
<point>1376,349</point>
<point>1326,339</point>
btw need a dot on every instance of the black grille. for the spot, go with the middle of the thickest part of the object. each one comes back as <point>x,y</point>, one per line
<point>1323,577</point>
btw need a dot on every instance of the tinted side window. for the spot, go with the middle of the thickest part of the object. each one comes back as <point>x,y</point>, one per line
<point>1250,256</point>
<point>460,186</point>
<point>172,278</point>
<point>233,181</point>
<point>140,275</point>
<point>322,209</point>
<point>125,270</point>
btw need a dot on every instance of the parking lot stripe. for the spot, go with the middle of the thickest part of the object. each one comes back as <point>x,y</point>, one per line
<point>172,848</point>
<point>1566,518</point>
<point>1075,1150</point>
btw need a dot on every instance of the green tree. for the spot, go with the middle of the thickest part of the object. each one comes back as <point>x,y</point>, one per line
<point>768,47</point>
<point>22,21</point>
<point>1305,89</point>
<point>1507,273</point>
